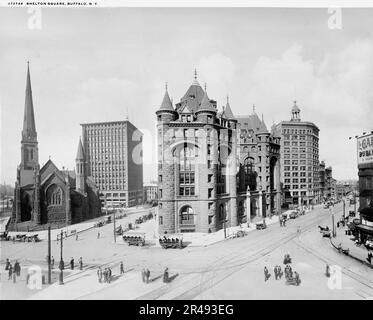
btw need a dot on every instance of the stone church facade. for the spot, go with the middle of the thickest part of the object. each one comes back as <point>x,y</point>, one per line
<point>47,195</point>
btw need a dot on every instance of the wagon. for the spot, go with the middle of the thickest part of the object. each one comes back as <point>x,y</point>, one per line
<point>171,241</point>
<point>119,230</point>
<point>33,238</point>
<point>325,233</point>
<point>4,235</point>
<point>261,226</point>
<point>134,238</point>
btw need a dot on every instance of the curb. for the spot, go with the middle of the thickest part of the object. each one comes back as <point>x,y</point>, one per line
<point>352,256</point>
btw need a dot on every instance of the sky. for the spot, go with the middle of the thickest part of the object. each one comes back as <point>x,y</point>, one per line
<point>102,64</point>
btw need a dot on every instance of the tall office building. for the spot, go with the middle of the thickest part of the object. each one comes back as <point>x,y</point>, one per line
<point>300,159</point>
<point>114,161</point>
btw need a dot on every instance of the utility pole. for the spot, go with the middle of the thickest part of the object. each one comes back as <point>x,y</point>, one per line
<point>62,265</point>
<point>49,256</point>
<point>115,236</point>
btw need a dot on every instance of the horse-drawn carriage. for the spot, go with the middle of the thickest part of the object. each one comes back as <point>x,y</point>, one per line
<point>239,233</point>
<point>139,220</point>
<point>134,238</point>
<point>325,231</point>
<point>344,251</point>
<point>4,235</point>
<point>173,241</point>
<point>119,230</point>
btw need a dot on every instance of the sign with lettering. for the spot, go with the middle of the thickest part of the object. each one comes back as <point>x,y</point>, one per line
<point>365,149</point>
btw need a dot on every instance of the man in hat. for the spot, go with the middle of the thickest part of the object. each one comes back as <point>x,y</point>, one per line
<point>72,263</point>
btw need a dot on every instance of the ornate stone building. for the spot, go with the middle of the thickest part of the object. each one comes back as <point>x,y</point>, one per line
<point>49,195</point>
<point>205,167</point>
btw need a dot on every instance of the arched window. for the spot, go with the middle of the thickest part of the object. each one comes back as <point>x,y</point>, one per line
<point>222,212</point>
<point>187,171</point>
<point>54,195</point>
<point>186,215</point>
<point>250,176</point>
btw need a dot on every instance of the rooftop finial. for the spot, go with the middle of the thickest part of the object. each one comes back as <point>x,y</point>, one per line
<point>195,73</point>
<point>253,108</point>
<point>295,102</point>
<point>227,98</point>
<point>166,85</point>
<point>205,86</point>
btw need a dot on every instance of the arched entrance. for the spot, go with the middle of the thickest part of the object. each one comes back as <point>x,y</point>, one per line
<point>187,223</point>
<point>26,208</point>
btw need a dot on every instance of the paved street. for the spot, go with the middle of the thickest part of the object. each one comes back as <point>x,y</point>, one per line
<point>231,269</point>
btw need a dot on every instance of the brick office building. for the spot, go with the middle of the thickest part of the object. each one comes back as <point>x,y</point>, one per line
<point>207,168</point>
<point>300,159</point>
<point>114,161</point>
<point>48,195</point>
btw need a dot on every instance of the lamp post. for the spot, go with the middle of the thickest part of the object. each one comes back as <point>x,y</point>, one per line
<point>115,236</point>
<point>61,265</point>
<point>49,255</point>
<point>333,230</point>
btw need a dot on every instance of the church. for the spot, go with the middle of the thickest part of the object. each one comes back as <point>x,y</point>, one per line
<point>47,195</point>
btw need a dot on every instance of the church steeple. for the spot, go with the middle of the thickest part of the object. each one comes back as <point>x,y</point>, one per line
<point>29,143</point>
<point>80,169</point>
<point>29,129</point>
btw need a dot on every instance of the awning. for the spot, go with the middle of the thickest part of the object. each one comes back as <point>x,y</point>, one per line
<point>366,193</point>
<point>365,228</point>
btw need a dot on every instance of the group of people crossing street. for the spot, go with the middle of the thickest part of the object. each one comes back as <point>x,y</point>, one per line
<point>14,270</point>
<point>290,276</point>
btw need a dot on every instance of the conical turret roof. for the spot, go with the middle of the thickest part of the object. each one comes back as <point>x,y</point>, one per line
<point>166,103</point>
<point>228,111</point>
<point>206,104</point>
<point>29,129</point>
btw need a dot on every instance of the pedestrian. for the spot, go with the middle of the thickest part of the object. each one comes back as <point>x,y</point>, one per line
<point>72,263</point>
<point>81,263</point>
<point>266,274</point>
<point>369,259</point>
<point>52,262</point>
<point>99,275</point>
<point>327,271</point>
<point>105,275</point>
<point>296,277</point>
<point>143,275</point>
<point>121,267</point>
<point>76,237</point>
<point>98,235</point>
<point>275,272</point>
<point>14,277</point>
<point>7,264</point>
<point>10,272</point>
<point>17,268</point>
<point>165,276</point>
<point>109,275</point>
<point>279,271</point>
<point>147,275</point>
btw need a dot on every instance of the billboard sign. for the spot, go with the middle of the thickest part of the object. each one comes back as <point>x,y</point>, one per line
<point>365,149</point>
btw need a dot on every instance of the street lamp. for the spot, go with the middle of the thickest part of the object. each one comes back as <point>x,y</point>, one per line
<point>334,230</point>
<point>61,265</point>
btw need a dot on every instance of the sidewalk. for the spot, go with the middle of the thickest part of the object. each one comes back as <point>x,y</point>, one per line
<point>359,253</point>
<point>198,239</point>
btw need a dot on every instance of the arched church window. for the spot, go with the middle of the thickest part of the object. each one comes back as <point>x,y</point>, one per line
<point>54,195</point>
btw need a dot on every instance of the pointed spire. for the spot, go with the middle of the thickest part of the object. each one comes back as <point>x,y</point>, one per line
<point>166,103</point>
<point>80,153</point>
<point>228,110</point>
<point>29,129</point>
<point>253,108</point>
<point>195,81</point>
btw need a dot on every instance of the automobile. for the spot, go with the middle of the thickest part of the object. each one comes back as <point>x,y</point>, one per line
<point>293,215</point>
<point>4,235</point>
<point>261,226</point>
<point>326,233</point>
<point>33,238</point>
